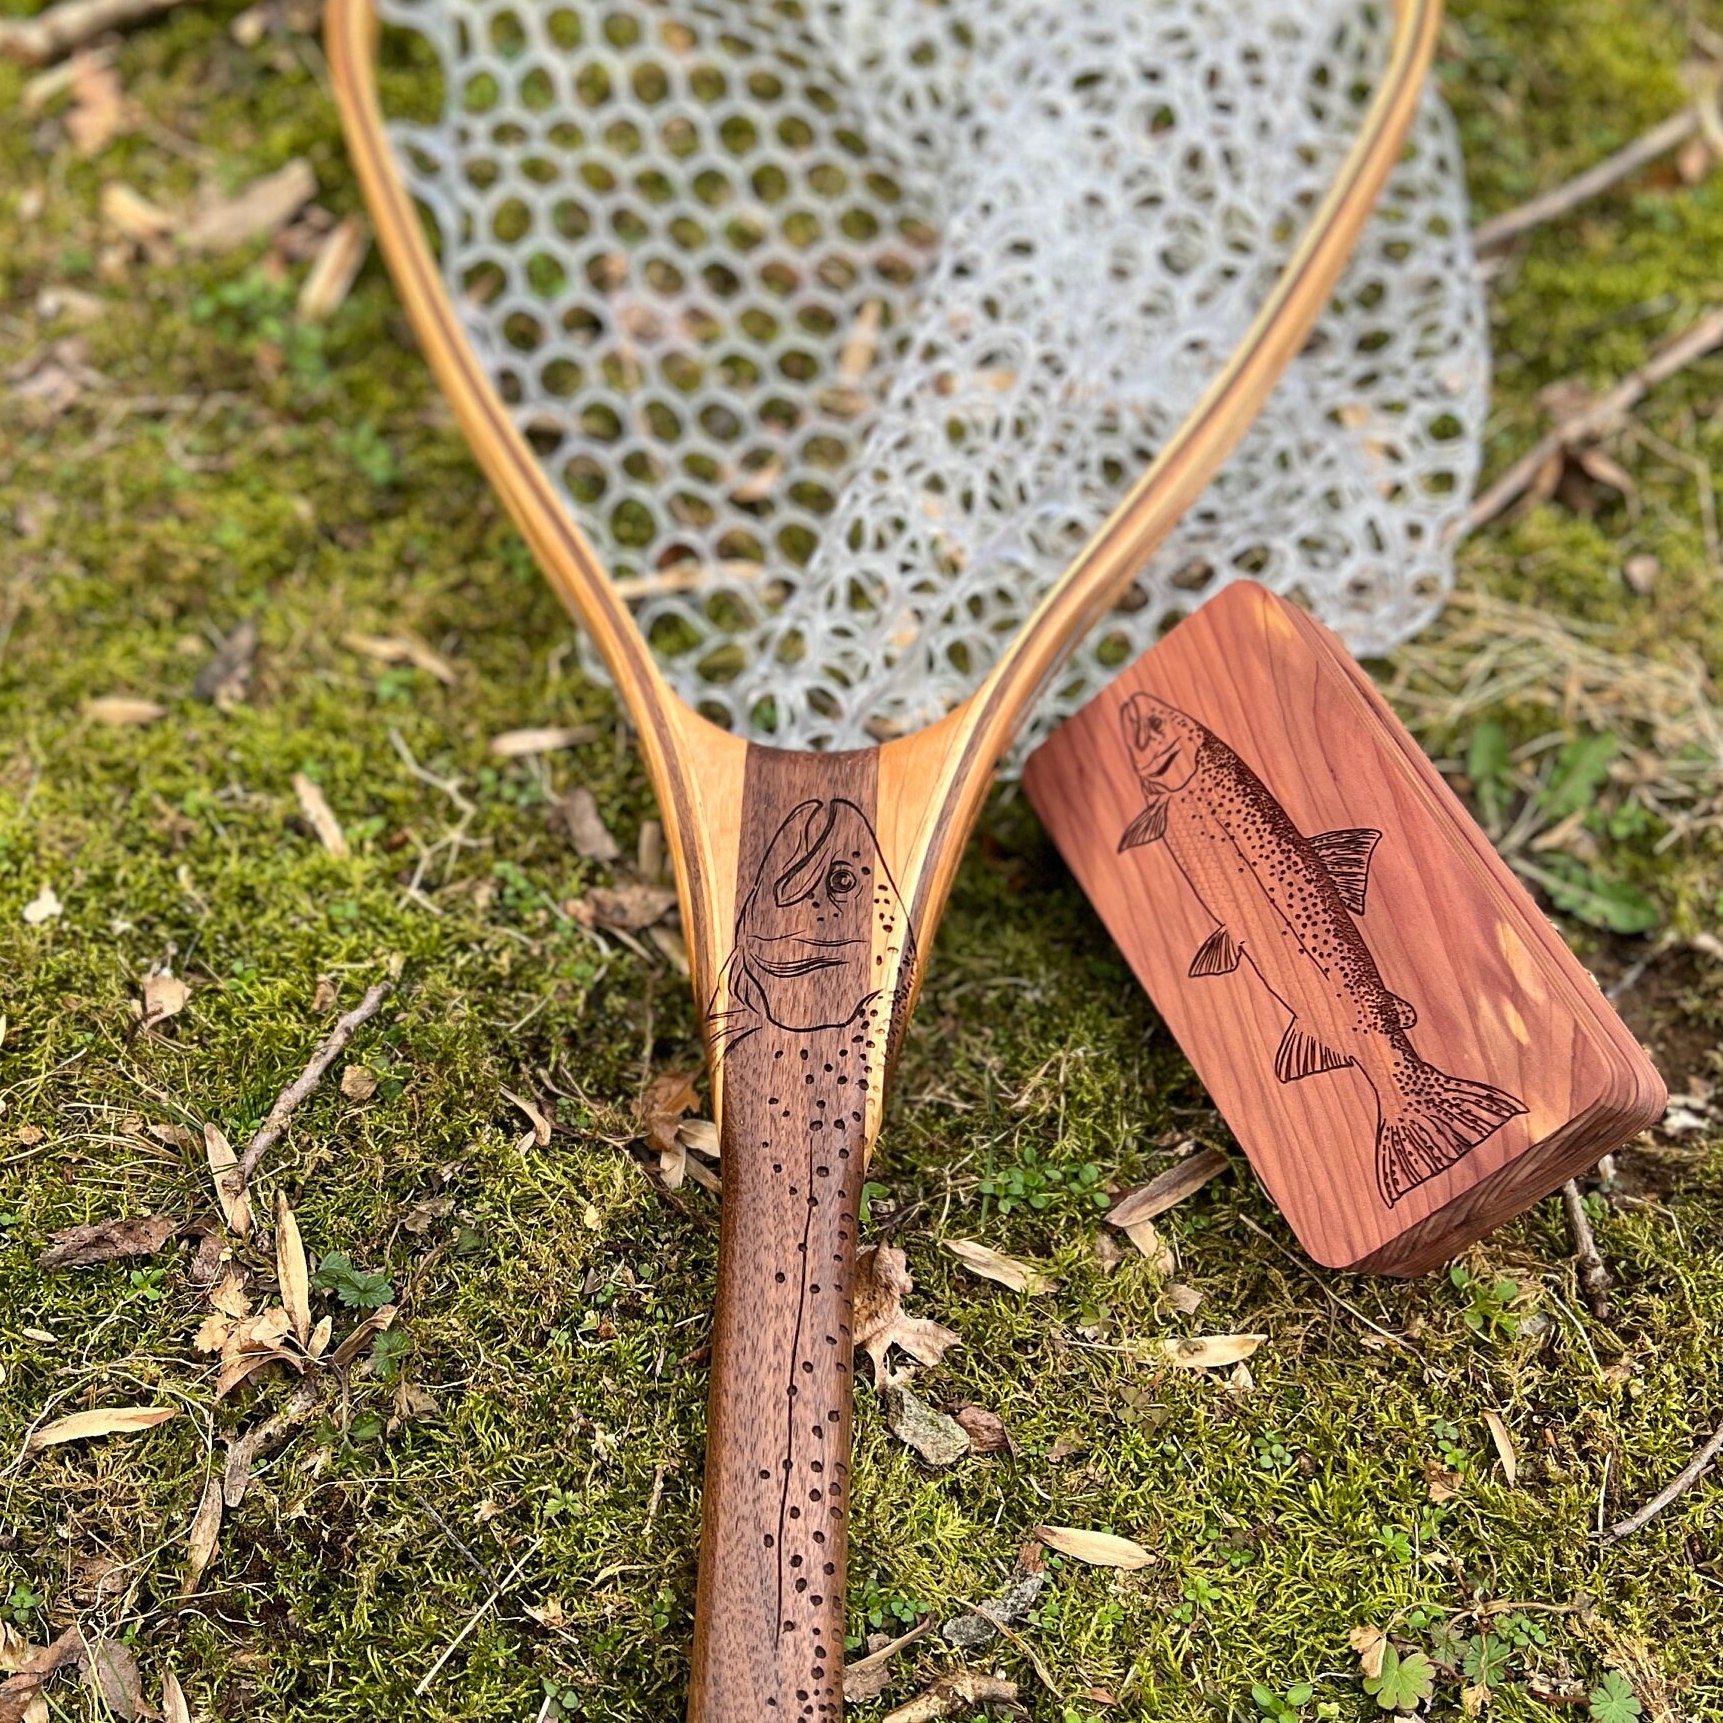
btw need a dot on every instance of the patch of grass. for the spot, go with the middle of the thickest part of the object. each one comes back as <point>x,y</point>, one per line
<point>556,1309</point>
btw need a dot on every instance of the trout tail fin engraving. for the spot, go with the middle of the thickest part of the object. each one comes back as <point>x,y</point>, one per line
<point>1431,1120</point>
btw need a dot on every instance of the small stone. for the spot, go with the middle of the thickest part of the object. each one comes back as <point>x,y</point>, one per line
<point>939,1439</point>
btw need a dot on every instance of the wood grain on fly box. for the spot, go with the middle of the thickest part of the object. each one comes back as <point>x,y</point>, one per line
<point>1401,1042</point>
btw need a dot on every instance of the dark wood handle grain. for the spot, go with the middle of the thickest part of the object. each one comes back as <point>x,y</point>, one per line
<point>801,1032</point>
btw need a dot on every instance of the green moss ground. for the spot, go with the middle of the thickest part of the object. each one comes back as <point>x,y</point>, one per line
<point>329,494</point>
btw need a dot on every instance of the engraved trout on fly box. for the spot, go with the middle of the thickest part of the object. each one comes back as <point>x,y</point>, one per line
<point>1288,906</point>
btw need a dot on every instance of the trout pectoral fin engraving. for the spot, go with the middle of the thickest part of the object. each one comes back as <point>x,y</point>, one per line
<point>1301,1054</point>
<point>1285,906</point>
<point>1148,827</point>
<point>1217,955</point>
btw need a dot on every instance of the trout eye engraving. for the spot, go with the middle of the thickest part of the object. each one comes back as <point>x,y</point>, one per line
<point>1286,905</point>
<point>841,880</point>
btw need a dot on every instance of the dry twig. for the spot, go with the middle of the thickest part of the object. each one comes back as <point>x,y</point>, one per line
<point>1685,1479</point>
<point>36,41</point>
<point>1493,234</point>
<point>1604,415</point>
<point>860,1677</point>
<point>1593,1275</point>
<point>269,1133</point>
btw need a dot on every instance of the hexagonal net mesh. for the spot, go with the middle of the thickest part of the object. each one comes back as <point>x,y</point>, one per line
<point>842,325</point>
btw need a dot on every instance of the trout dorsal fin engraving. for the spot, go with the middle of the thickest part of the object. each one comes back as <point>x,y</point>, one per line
<point>1346,854</point>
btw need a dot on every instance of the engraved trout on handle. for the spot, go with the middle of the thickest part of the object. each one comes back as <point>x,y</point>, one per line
<point>1285,904</point>
<point>811,1001</point>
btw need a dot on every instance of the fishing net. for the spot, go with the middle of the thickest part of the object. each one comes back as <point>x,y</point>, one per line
<point>840,326</point>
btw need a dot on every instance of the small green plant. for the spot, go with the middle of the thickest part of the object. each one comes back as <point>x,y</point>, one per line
<point>21,1603</point>
<point>1402,1683</point>
<point>369,451</point>
<point>1395,1543</point>
<point>560,1701</point>
<point>1449,1444</point>
<point>1589,896</point>
<point>1282,1707</point>
<point>560,1501</point>
<point>358,1288</point>
<point>1486,1660</point>
<point>1613,1700</point>
<point>1272,1454</point>
<point>884,1610</point>
<point>1038,1184</point>
<point>872,1193</point>
<point>1489,1309</point>
<point>146,1284</point>
<point>388,1349</point>
<point>1489,765</point>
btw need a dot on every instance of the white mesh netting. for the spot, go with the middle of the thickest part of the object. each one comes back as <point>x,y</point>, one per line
<point>841,326</point>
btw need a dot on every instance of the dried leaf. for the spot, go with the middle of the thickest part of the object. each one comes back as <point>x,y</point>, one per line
<point>205,1529</point>
<point>131,215</point>
<point>1144,1235</point>
<point>337,266</point>
<point>1371,1644</point>
<point>238,1370</point>
<point>403,649</point>
<point>1441,1482</point>
<point>104,1421</point>
<point>174,1707</point>
<point>1497,1426</point>
<point>576,815</point>
<point>112,1672</point>
<point>318,1344</point>
<point>229,1295</point>
<point>358,1082</point>
<point>362,1336</point>
<point>319,815</point>
<point>235,1210</point>
<point>260,208</point>
<point>1167,1189</point>
<point>324,996</point>
<point>1098,1549</point>
<point>223,679</point>
<point>123,709</point>
<point>668,1096</point>
<point>953,1694</point>
<point>44,906</point>
<point>535,1116</point>
<point>882,1281</point>
<point>426,1212</point>
<point>165,996</point>
<point>1006,1270</point>
<point>630,907</point>
<point>291,1270</point>
<point>99,111</point>
<point>108,1241</point>
<point>212,1333</point>
<point>1641,573</point>
<point>700,1135</point>
<point>938,1438</point>
<point>542,739</point>
<point>1212,1351</point>
<point>985,1430</point>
